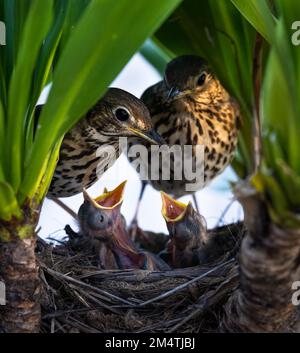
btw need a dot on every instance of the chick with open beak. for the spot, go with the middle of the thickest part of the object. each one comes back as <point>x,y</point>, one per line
<point>187,230</point>
<point>102,221</point>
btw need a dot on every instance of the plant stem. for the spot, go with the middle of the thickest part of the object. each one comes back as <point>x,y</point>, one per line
<point>269,260</point>
<point>257,78</point>
<point>19,273</point>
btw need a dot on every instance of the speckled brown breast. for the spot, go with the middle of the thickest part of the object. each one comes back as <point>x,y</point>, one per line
<point>211,122</point>
<point>79,161</point>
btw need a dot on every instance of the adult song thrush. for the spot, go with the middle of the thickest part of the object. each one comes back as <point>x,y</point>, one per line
<point>191,107</point>
<point>117,114</point>
<point>100,219</point>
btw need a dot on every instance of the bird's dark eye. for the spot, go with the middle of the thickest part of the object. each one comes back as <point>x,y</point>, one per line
<point>122,114</point>
<point>96,220</point>
<point>201,79</point>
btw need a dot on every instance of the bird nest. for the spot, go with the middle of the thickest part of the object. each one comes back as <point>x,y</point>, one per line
<point>77,296</point>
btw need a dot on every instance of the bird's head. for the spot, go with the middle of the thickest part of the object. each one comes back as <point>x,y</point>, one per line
<point>121,114</point>
<point>99,217</point>
<point>186,227</point>
<point>187,74</point>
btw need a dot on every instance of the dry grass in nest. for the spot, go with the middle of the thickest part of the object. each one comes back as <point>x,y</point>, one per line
<point>80,297</point>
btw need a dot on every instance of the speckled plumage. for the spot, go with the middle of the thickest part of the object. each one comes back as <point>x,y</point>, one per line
<point>79,163</point>
<point>196,114</point>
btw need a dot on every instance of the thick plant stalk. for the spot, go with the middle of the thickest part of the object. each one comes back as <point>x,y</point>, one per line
<point>19,272</point>
<point>269,260</point>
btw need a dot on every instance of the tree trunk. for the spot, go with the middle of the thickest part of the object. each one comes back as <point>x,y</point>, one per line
<point>269,260</point>
<point>19,273</point>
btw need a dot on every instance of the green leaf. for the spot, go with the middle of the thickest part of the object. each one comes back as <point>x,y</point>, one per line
<point>290,182</point>
<point>14,15</point>
<point>258,13</point>
<point>273,193</point>
<point>75,11</point>
<point>2,134</point>
<point>44,64</point>
<point>46,181</point>
<point>101,44</point>
<point>278,104</point>
<point>157,57</point>
<point>33,34</point>
<point>8,206</point>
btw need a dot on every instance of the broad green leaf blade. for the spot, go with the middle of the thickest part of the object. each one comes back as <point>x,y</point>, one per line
<point>290,182</point>
<point>14,15</point>
<point>101,44</point>
<point>2,175</point>
<point>3,92</point>
<point>258,13</point>
<point>48,49</point>
<point>9,20</point>
<point>33,34</point>
<point>278,105</point>
<point>290,11</point>
<point>8,203</point>
<point>2,134</point>
<point>75,11</point>
<point>44,65</point>
<point>46,181</point>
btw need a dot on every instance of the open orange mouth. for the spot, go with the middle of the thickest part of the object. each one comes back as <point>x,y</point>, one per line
<point>172,210</point>
<point>109,199</point>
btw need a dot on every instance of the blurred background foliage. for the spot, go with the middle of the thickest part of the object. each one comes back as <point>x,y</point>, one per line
<point>249,45</point>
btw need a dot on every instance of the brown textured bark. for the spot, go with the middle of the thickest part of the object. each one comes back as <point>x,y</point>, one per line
<point>19,272</point>
<point>268,264</point>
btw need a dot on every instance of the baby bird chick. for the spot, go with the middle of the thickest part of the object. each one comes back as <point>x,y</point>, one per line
<point>101,220</point>
<point>187,230</point>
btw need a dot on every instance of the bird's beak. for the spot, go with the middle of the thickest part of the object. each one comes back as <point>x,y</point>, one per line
<point>173,93</point>
<point>151,135</point>
<point>172,210</point>
<point>88,198</point>
<point>109,199</point>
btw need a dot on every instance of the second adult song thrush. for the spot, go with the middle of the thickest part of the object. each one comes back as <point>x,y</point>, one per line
<point>191,107</point>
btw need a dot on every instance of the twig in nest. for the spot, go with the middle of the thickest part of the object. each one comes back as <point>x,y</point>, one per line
<point>83,284</point>
<point>70,311</point>
<point>82,327</point>
<point>159,325</point>
<point>184,285</point>
<point>227,208</point>
<point>93,299</point>
<point>205,303</point>
<point>64,207</point>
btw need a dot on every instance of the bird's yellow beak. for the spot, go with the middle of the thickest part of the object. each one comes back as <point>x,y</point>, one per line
<point>151,135</point>
<point>109,199</point>
<point>172,210</point>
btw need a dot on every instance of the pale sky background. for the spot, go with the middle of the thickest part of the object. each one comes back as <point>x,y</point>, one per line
<point>135,78</point>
